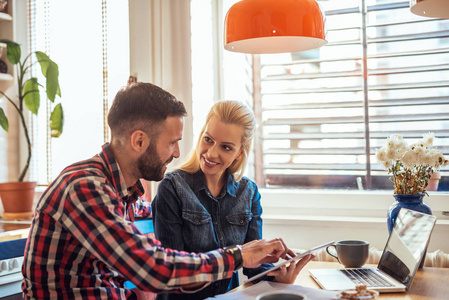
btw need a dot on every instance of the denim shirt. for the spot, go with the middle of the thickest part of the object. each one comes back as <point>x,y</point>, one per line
<point>188,217</point>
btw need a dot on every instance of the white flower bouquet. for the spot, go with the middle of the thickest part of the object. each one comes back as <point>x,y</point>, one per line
<point>412,165</point>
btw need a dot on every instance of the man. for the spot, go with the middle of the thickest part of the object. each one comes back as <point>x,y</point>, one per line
<point>83,243</point>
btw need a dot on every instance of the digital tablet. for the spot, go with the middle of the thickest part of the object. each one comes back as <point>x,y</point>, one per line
<point>297,257</point>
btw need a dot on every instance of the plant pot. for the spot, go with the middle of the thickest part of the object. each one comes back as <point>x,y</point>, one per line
<point>17,199</point>
<point>433,181</point>
<point>4,6</point>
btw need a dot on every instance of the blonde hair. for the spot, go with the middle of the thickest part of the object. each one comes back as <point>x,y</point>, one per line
<point>233,113</point>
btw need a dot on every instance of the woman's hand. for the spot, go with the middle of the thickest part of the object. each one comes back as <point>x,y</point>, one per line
<point>288,274</point>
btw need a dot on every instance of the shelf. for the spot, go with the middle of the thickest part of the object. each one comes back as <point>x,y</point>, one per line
<point>5,17</point>
<point>5,77</point>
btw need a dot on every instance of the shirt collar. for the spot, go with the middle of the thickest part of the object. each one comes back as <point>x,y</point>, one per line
<point>129,195</point>
<point>199,183</point>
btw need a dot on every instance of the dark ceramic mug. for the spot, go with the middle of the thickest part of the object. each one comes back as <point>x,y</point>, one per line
<point>350,253</point>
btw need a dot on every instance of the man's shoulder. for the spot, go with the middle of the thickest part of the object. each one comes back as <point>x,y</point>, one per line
<point>92,169</point>
<point>93,166</point>
<point>89,174</point>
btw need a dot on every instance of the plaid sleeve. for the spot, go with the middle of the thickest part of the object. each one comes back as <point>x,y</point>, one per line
<point>142,209</point>
<point>94,215</point>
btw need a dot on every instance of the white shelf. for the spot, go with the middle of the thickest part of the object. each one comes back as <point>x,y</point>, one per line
<point>5,77</point>
<point>5,17</point>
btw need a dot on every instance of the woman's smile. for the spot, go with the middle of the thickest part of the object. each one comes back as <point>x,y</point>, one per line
<point>209,163</point>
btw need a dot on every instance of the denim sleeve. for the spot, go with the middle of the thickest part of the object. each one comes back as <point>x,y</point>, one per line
<point>167,216</point>
<point>255,233</point>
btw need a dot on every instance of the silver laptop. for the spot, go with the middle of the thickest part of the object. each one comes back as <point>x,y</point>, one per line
<point>397,266</point>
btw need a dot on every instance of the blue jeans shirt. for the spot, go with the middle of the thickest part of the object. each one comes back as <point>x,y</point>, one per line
<point>187,217</point>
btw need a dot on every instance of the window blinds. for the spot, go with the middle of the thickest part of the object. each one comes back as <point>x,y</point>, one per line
<point>324,112</point>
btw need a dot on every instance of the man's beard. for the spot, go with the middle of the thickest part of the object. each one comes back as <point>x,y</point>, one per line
<point>150,165</point>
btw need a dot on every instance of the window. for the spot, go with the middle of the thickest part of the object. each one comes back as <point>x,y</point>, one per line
<point>216,74</point>
<point>317,114</point>
<point>324,112</point>
<point>93,59</point>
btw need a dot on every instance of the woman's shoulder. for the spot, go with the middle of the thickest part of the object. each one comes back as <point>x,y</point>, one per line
<point>245,181</point>
<point>244,186</point>
<point>175,182</point>
<point>177,174</point>
<point>179,178</point>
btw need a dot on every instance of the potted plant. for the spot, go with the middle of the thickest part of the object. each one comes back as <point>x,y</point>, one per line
<point>28,98</point>
<point>411,167</point>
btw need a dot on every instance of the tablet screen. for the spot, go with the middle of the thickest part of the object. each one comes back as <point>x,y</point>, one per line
<point>297,257</point>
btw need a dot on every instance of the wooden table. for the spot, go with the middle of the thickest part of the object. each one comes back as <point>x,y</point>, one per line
<point>429,283</point>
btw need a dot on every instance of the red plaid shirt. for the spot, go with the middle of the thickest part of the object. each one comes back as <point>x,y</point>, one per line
<point>83,243</point>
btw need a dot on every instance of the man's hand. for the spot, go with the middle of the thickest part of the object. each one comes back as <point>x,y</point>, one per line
<point>257,252</point>
<point>288,274</point>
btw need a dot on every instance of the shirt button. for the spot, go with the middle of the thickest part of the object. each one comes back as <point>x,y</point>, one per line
<point>197,221</point>
<point>215,222</point>
<point>241,221</point>
<point>221,238</point>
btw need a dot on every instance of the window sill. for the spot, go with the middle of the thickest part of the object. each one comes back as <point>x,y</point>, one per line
<point>343,221</point>
<point>306,218</point>
<point>339,205</point>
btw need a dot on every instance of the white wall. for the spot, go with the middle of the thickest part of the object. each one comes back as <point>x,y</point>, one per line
<point>160,53</point>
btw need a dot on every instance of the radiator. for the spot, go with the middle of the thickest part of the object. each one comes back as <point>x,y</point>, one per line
<point>436,259</point>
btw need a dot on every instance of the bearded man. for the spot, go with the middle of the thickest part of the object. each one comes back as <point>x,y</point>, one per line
<point>83,243</point>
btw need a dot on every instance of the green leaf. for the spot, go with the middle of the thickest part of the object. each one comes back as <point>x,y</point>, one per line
<point>57,121</point>
<point>6,41</point>
<point>12,50</point>
<point>43,60</point>
<point>31,95</point>
<point>51,71</point>
<point>58,91</point>
<point>52,81</point>
<point>4,120</point>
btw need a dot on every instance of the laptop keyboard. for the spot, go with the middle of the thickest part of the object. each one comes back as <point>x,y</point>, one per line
<point>366,277</point>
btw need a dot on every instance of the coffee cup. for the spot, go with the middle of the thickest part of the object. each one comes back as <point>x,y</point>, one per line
<point>350,253</point>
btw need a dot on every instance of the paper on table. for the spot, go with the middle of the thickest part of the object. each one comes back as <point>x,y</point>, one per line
<point>266,286</point>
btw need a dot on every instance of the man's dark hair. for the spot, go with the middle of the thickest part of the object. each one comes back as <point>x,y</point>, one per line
<point>142,106</point>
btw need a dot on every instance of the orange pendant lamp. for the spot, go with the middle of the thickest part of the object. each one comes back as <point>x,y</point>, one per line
<point>430,8</point>
<point>274,26</point>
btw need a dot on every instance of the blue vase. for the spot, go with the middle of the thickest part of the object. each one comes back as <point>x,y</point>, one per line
<point>412,202</point>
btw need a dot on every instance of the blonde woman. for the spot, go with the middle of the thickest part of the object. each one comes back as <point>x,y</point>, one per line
<point>208,203</point>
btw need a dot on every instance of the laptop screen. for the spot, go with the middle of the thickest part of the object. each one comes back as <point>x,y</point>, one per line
<point>406,245</point>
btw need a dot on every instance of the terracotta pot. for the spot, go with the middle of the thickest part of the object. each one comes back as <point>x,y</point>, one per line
<point>4,6</point>
<point>17,199</point>
<point>433,181</point>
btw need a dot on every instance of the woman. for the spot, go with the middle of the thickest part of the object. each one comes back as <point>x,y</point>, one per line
<point>208,203</point>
